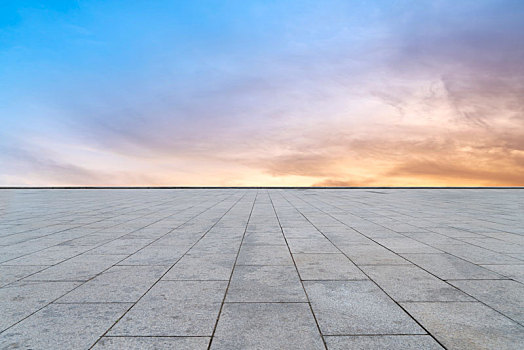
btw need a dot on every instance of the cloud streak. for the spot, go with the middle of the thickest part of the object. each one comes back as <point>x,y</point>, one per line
<point>347,93</point>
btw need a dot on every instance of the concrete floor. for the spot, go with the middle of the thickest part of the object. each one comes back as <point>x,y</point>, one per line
<point>262,269</point>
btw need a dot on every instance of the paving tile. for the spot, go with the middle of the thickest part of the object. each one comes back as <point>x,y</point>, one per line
<point>77,235</point>
<point>454,232</point>
<point>406,245</point>
<point>267,326</point>
<point>48,256</point>
<point>21,299</point>
<point>345,236</point>
<point>478,255</point>
<point>371,255</point>
<point>447,267</point>
<point>311,246</point>
<point>376,232</point>
<point>79,268</point>
<point>515,272</point>
<point>307,232</point>
<point>152,343</point>
<point>265,284</point>
<point>174,308</point>
<point>264,255</point>
<point>505,296</point>
<point>326,267</point>
<point>63,326</point>
<point>202,267</point>
<point>380,342</point>
<point>179,239</point>
<point>9,274</point>
<point>465,325</point>
<point>432,238</point>
<point>411,283</point>
<point>216,246</point>
<point>117,284</point>
<point>7,254</point>
<point>264,238</point>
<point>156,255</point>
<point>121,246</point>
<point>357,307</point>
<point>497,245</point>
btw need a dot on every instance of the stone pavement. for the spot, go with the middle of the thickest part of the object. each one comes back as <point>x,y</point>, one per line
<point>262,269</point>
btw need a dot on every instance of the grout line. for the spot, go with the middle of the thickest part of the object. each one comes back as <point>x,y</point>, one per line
<point>445,281</point>
<point>298,274</point>
<point>172,264</point>
<point>376,284</point>
<point>231,275</point>
<point>84,282</point>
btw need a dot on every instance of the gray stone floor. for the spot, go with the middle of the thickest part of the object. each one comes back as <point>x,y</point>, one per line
<point>262,269</point>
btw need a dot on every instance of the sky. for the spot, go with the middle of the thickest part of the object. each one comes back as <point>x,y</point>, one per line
<point>262,93</point>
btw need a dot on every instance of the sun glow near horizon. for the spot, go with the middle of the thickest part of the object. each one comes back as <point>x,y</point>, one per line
<point>262,93</point>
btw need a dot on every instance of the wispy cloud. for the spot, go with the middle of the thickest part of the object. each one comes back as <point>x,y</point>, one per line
<point>348,93</point>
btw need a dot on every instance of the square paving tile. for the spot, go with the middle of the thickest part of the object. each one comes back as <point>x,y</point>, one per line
<point>152,343</point>
<point>380,342</point>
<point>21,299</point>
<point>10,274</point>
<point>63,326</point>
<point>406,245</point>
<point>267,326</point>
<point>202,267</point>
<point>117,284</point>
<point>515,272</point>
<point>326,267</point>
<point>48,256</point>
<point>174,308</point>
<point>505,296</point>
<point>478,255</point>
<point>156,255</point>
<point>371,254</point>
<point>79,268</point>
<point>465,325</point>
<point>216,246</point>
<point>311,246</point>
<point>265,284</point>
<point>449,267</point>
<point>411,283</point>
<point>264,238</point>
<point>264,255</point>
<point>357,307</point>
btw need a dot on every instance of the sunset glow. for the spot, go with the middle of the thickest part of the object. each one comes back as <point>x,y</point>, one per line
<point>262,93</point>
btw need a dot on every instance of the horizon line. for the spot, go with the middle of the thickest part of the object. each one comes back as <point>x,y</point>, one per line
<point>246,187</point>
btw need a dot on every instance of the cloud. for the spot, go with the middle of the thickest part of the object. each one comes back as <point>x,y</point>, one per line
<point>34,166</point>
<point>448,172</point>
<point>31,167</point>
<point>394,93</point>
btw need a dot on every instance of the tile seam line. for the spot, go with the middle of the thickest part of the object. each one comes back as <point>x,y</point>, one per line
<point>255,187</point>
<point>156,336</point>
<point>158,280</point>
<point>91,210</point>
<point>54,300</point>
<point>231,274</point>
<point>459,239</point>
<point>429,230</point>
<point>298,273</point>
<point>445,281</point>
<point>373,281</point>
<point>95,247</point>
<point>87,234</point>
<point>398,254</point>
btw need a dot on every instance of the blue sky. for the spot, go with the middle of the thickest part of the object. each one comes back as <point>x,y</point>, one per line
<point>262,92</point>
